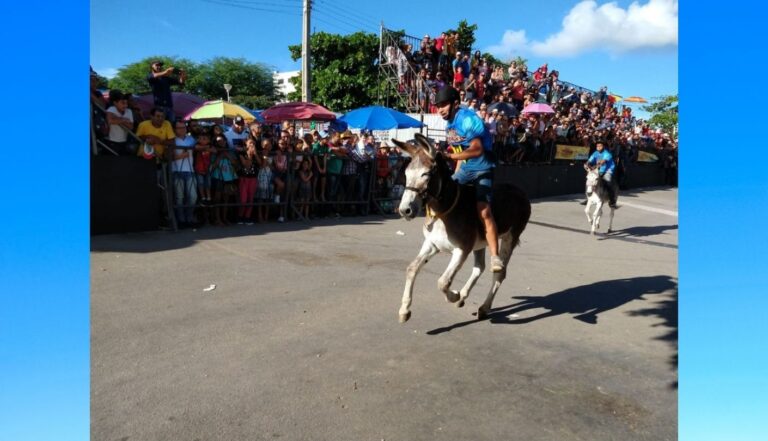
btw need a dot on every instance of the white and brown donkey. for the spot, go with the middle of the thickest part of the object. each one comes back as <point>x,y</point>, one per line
<point>456,228</point>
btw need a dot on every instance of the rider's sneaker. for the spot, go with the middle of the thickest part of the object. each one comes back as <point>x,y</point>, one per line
<point>496,264</point>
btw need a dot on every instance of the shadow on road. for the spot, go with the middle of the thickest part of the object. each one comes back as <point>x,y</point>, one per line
<point>644,231</point>
<point>154,241</point>
<point>587,302</point>
<point>666,312</point>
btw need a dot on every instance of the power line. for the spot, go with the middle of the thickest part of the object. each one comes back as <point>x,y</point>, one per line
<point>351,14</point>
<point>351,25</point>
<point>242,6</point>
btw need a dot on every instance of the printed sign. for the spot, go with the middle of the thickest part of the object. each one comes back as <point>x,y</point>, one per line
<point>646,157</point>
<point>572,152</point>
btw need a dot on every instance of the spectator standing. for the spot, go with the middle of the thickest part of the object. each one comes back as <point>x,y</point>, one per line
<point>183,174</point>
<point>264,188</point>
<point>237,135</point>
<point>247,181</point>
<point>120,119</point>
<point>156,133</point>
<point>203,151</point>
<point>363,154</point>
<point>161,80</point>
<point>222,179</point>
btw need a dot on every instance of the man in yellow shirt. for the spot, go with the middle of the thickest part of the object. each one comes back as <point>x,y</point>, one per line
<point>157,134</point>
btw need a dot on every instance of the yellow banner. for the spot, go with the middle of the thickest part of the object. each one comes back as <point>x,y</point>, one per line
<point>646,157</point>
<point>572,152</point>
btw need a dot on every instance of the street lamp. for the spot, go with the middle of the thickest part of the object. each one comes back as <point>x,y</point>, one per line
<point>228,87</point>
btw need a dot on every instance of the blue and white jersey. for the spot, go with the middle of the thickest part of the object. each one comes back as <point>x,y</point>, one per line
<point>607,157</point>
<point>465,127</point>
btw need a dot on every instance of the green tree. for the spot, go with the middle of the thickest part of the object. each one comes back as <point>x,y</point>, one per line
<point>664,113</point>
<point>493,61</point>
<point>466,36</point>
<point>344,70</point>
<point>519,61</point>
<point>251,82</point>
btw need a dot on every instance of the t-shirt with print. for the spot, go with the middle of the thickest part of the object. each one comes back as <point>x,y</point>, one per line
<point>465,127</point>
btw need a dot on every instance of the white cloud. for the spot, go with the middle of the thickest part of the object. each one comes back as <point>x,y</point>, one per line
<point>165,23</point>
<point>607,27</point>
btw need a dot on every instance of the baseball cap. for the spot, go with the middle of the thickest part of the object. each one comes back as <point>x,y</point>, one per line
<point>239,120</point>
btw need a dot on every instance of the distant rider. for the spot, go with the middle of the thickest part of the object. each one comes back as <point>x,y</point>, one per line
<point>604,160</point>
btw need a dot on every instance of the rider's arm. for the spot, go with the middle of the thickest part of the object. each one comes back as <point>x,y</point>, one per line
<point>474,150</point>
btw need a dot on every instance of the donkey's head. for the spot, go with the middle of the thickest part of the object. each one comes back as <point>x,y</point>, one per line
<point>593,178</point>
<point>418,174</point>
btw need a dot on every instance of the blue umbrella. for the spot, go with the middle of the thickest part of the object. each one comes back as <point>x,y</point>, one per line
<point>379,118</point>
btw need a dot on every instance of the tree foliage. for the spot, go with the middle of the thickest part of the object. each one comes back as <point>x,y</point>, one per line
<point>344,70</point>
<point>466,36</point>
<point>664,113</point>
<point>252,84</point>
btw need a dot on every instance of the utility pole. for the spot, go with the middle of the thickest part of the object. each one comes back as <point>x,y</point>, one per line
<point>306,54</point>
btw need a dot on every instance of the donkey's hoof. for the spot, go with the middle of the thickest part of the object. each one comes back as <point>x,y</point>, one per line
<point>481,313</point>
<point>460,304</point>
<point>404,317</point>
<point>452,297</point>
<point>610,231</point>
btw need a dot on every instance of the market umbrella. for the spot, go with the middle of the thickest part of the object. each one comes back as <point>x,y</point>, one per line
<point>256,115</point>
<point>635,99</point>
<point>219,109</point>
<point>505,108</point>
<point>298,111</point>
<point>538,108</point>
<point>379,118</point>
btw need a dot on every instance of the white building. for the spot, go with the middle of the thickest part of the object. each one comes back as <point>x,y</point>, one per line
<point>282,83</point>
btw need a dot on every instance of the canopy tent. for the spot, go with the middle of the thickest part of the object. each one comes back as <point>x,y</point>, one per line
<point>297,111</point>
<point>379,118</point>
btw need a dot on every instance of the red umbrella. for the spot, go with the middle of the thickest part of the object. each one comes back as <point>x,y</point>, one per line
<point>298,111</point>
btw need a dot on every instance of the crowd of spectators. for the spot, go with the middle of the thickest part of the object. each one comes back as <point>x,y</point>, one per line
<point>500,93</point>
<point>245,173</point>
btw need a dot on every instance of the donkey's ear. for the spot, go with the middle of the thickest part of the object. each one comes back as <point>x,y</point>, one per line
<point>406,147</point>
<point>424,142</point>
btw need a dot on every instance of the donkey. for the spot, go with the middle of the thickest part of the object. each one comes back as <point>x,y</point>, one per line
<point>453,225</point>
<point>598,194</point>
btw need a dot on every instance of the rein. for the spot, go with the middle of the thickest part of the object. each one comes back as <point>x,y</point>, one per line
<point>425,195</point>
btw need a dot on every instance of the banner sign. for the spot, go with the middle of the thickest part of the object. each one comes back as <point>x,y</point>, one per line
<point>572,152</point>
<point>646,157</point>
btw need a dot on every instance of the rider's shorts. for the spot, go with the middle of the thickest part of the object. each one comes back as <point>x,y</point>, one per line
<point>483,182</point>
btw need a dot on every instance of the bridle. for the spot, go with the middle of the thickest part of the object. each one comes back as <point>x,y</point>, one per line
<point>425,195</point>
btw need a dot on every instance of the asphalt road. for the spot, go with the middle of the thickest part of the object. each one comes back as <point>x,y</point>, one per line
<point>300,338</point>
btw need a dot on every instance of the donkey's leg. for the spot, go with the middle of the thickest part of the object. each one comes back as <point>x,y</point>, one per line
<point>610,219</point>
<point>427,250</point>
<point>444,282</point>
<point>505,253</point>
<point>476,271</point>
<point>586,210</point>
<point>596,217</point>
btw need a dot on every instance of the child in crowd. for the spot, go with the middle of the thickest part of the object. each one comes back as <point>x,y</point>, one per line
<point>202,162</point>
<point>264,189</point>
<point>305,186</point>
<point>319,159</point>
<point>458,78</point>
<point>247,181</point>
<point>222,179</point>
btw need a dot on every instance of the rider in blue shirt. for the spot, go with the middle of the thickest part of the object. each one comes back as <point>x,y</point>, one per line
<point>604,159</point>
<point>466,129</point>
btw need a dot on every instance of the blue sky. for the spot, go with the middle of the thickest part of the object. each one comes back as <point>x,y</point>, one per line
<point>611,44</point>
